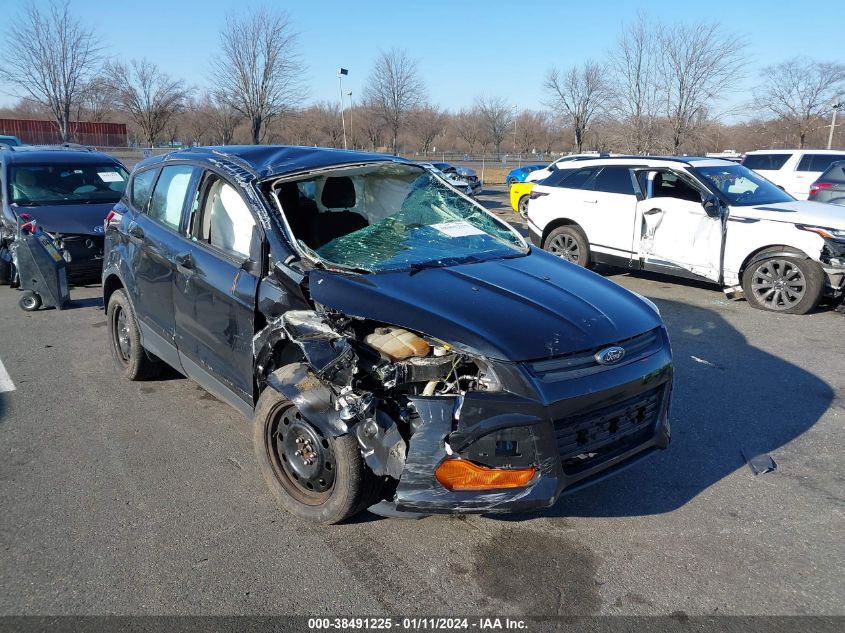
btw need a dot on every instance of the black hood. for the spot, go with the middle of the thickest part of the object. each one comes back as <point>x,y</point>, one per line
<point>518,309</point>
<point>70,219</point>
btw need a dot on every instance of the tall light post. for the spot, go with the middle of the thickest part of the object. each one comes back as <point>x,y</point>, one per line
<point>340,73</point>
<point>834,106</point>
<point>351,129</point>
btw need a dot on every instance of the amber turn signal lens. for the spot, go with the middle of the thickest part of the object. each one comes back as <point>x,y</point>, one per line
<point>460,474</point>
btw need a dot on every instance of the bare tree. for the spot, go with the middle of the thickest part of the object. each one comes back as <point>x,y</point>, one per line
<point>259,69</point>
<point>224,119</point>
<point>427,122</point>
<point>698,64</point>
<point>531,128</point>
<point>197,118</point>
<point>635,86</point>
<point>467,125</point>
<point>371,122</point>
<point>324,118</point>
<point>49,58</point>
<point>149,96</point>
<point>97,101</point>
<point>799,91</point>
<point>496,119</point>
<point>394,88</point>
<point>576,95</point>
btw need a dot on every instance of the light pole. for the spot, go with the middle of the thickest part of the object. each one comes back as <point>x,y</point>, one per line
<point>340,73</point>
<point>834,106</point>
<point>351,129</point>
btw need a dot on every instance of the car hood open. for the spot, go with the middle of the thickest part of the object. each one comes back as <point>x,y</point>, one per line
<point>524,308</point>
<point>70,219</point>
<point>797,211</point>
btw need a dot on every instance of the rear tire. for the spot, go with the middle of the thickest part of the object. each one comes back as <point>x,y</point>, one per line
<point>789,285</point>
<point>569,242</point>
<point>131,358</point>
<point>328,482</point>
<point>522,207</point>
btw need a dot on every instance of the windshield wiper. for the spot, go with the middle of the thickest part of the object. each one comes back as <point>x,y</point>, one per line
<point>416,267</point>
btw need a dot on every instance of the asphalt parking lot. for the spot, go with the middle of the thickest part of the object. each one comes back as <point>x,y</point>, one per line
<point>145,498</point>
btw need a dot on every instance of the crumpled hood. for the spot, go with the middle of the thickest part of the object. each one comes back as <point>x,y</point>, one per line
<point>70,219</point>
<point>518,309</point>
<point>797,211</point>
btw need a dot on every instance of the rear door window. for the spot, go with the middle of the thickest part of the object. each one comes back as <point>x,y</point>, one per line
<point>572,178</point>
<point>168,197</point>
<point>765,161</point>
<point>614,180</point>
<point>817,162</point>
<point>142,187</point>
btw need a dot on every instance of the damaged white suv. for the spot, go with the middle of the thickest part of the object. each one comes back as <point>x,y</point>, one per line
<point>698,218</point>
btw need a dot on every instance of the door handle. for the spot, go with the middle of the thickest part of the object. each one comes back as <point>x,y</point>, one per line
<point>654,211</point>
<point>591,201</point>
<point>135,231</point>
<point>184,262</point>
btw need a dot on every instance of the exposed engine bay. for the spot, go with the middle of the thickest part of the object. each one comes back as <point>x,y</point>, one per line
<point>358,377</point>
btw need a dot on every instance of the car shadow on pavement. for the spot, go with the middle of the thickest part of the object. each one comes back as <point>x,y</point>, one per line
<point>90,302</point>
<point>729,398</point>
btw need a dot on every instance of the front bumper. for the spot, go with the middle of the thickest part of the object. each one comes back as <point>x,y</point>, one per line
<point>575,432</point>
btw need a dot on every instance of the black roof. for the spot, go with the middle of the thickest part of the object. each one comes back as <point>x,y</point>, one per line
<point>54,155</point>
<point>277,160</point>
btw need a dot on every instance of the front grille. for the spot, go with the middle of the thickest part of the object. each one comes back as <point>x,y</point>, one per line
<point>587,439</point>
<point>583,363</point>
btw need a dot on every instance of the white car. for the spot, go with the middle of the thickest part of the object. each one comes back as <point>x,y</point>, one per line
<point>793,170</point>
<point>539,174</point>
<point>694,217</point>
<point>455,179</point>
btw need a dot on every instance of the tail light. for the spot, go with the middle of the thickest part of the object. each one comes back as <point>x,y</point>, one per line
<point>536,194</point>
<point>113,218</point>
<point>818,186</point>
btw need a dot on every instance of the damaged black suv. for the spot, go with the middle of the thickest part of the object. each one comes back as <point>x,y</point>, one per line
<point>397,346</point>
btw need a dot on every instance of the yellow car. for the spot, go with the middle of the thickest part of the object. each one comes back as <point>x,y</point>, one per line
<point>519,197</point>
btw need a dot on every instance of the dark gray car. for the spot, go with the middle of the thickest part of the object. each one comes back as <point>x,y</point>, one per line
<point>830,186</point>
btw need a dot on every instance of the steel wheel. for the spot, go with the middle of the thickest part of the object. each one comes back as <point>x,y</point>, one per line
<point>522,206</point>
<point>565,246</point>
<point>778,284</point>
<point>120,335</point>
<point>302,459</point>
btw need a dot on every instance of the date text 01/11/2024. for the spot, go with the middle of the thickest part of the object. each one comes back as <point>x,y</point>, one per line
<point>417,624</point>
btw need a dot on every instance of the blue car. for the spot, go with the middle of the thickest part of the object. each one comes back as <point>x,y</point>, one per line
<point>519,174</point>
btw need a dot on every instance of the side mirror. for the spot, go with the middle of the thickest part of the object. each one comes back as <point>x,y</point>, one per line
<point>712,206</point>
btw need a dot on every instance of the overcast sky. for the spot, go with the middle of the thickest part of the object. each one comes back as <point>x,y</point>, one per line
<point>463,48</point>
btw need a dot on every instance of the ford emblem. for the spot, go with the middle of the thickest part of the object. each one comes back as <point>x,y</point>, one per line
<point>98,229</point>
<point>610,355</point>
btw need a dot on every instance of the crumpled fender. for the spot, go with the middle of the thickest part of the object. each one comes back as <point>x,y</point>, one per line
<point>312,398</point>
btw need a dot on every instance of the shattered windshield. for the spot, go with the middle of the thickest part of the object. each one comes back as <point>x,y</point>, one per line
<point>742,187</point>
<point>391,217</point>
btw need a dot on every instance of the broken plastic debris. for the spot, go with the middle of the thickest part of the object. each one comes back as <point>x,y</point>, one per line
<point>760,464</point>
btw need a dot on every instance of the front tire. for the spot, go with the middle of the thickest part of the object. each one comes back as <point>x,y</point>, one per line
<point>569,243</point>
<point>125,340</point>
<point>789,285</point>
<point>30,301</point>
<point>312,476</point>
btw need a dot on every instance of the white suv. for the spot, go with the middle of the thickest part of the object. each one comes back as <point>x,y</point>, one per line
<point>694,217</point>
<point>793,170</point>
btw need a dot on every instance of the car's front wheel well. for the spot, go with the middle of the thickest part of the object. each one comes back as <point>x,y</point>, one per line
<point>111,283</point>
<point>551,226</point>
<point>767,251</point>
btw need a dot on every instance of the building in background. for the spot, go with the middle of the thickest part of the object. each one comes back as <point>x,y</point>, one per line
<point>82,132</point>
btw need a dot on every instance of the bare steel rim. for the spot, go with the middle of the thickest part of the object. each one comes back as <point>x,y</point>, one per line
<point>120,334</point>
<point>778,284</point>
<point>523,207</point>
<point>302,459</point>
<point>567,247</point>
